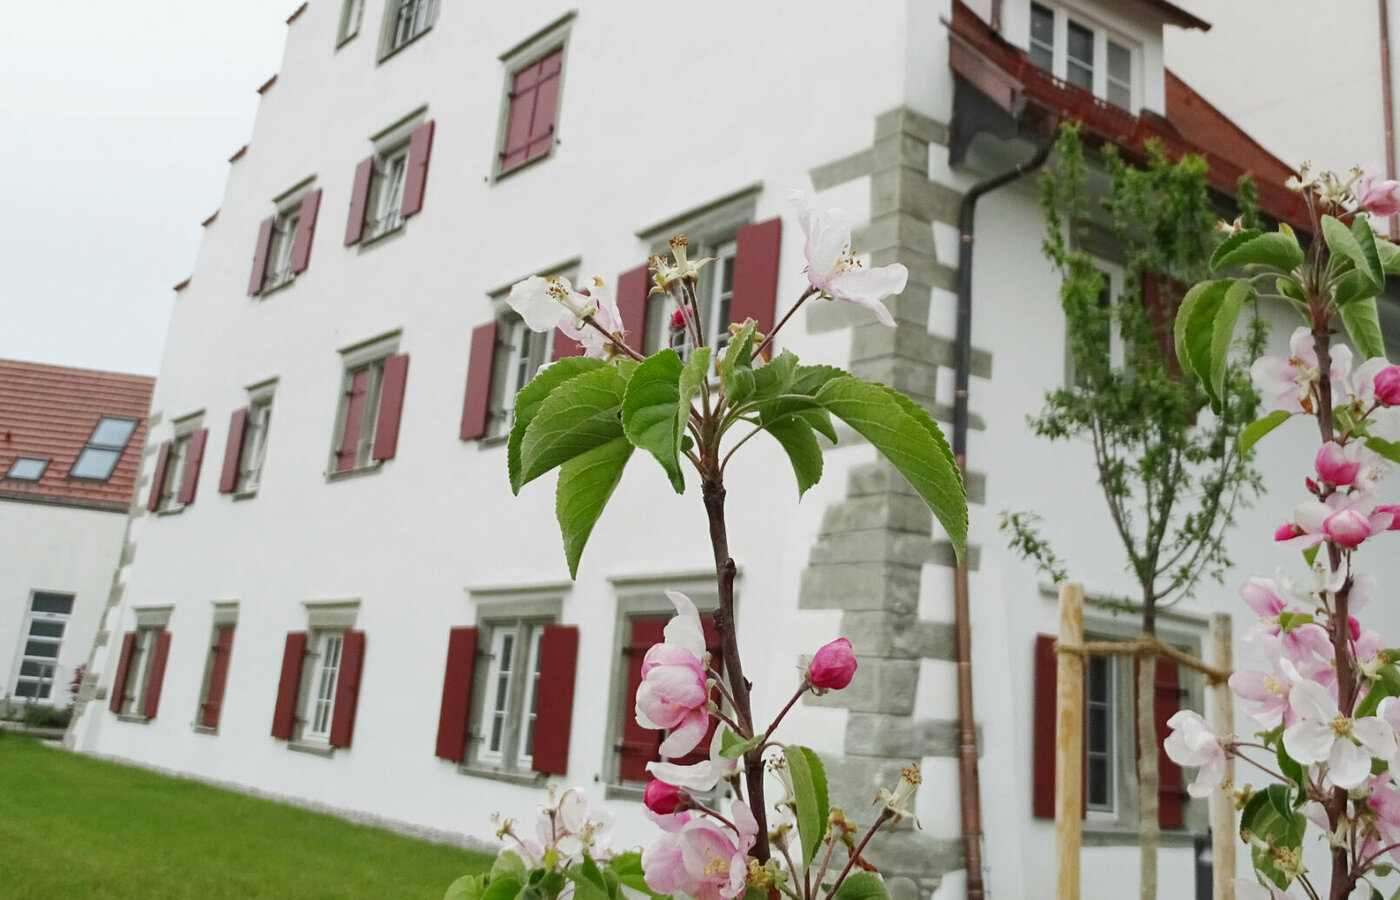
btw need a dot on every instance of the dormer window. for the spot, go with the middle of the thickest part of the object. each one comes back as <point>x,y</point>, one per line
<point>1082,54</point>
<point>100,454</point>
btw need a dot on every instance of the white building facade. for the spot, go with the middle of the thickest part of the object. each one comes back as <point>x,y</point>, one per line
<point>349,609</point>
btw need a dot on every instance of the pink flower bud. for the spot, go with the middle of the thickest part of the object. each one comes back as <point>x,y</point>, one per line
<point>1333,465</point>
<point>1310,485</point>
<point>1287,532</point>
<point>1387,382</point>
<point>1392,510</point>
<point>664,799</point>
<point>833,666</point>
<point>1379,198</point>
<point>1347,528</point>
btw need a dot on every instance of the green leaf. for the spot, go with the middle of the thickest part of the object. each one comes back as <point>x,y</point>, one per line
<point>1389,255</point>
<point>810,798</point>
<point>1389,449</point>
<point>732,746</point>
<point>577,416</point>
<point>627,868</point>
<point>586,482</point>
<point>1272,822</point>
<point>508,864</point>
<point>806,381</point>
<point>1247,248</point>
<point>860,885</point>
<point>651,408</point>
<point>800,443</point>
<point>1310,554</point>
<point>1352,286</point>
<point>1288,621</point>
<point>775,377</point>
<point>1237,295</point>
<point>528,401</point>
<point>1387,684</point>
<point>584,888</point>
<point>905,434</point>
<point>590,870</point>
<point>1364,327</point>
<point>1292,770</point>
<point>1256,430</point>
<point>504,889</point>
<point>736,370</point>
<point>695,377</point>
<point>468,887</point>
<point>1359,246</point>
<point>1194,329</point>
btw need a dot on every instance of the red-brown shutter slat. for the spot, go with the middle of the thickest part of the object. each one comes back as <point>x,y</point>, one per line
<point>633,290</point>
<point>639,745</point>
<point>420,149</point>
<point>386,426</point>
<point>284,715</point>
<point>1046,676</point>
<point>359,201</point>
<point>194,455</point>
<point>476,408</point>
<point>347,688</point>
<point>456,694</point>
<point>554,702</point>
<point>306,231</point>
<point>756,254</point>
<point>542,119</point>
<point>354,421</point>
<point>1171,792</point>
<point>158,476</point>
<point>233,450</point>
<point>157,676</point>
<point>260,253</point>
<point>218,677</point>
<point>119,681</point>
<point>522,111</point>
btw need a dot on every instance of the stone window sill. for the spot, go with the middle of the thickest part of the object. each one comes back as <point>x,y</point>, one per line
<point>522,778</point>
<point>314,749</point>
<point>133,718</point>
<point>357,472</point>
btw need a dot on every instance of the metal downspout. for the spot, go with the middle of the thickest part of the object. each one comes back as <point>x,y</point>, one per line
<point>1388,101</point>
<point>968,777</point>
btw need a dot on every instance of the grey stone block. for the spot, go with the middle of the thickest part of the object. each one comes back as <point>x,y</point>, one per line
<point>903,150</point>
<point>859,586</point>
<point>912,853</point>
<point>900,737</point>
<point>840,171</point>
<point>943,555</point>
<point>877,545</point>
<point>896,511</point>
<point>880,686</point>
<point>896,229</point>
<point>898,635</point>
<point>905,120</point>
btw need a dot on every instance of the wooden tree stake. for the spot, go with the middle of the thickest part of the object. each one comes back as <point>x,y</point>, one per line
<point>1069,742</point>
<point>1222,805</point>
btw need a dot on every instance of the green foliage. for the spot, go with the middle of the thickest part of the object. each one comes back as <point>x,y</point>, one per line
<point>528,401</point>
<point>1269,823</point>
<point>812,806</point>
<point>862,886</point>
<point>652,417</point>
<point>1169,474</point>
<point>1363,326</point>
<point>732,746</point>
<point>1256,430</point>
<point>578,415</point>
<point>586,483</point>
<point>1356,244</point>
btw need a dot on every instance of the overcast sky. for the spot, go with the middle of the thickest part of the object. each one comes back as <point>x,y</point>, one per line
<point>117,118</point>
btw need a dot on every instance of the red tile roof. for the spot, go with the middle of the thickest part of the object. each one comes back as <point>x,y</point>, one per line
<point>50,412</point>
<point>1191,125</point>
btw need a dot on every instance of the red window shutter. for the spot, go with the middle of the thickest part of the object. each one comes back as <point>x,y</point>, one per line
<point>158,476</point>
<point>119,682</point>
<point>218,677</point>
<point>420,148</point>
<point>306,230</point>
<point>284,715</point>
<point>1047,679</point>
<point>354,421</point>
<point>546,107</point>
<point>359,200</point>
<point>195,456</point>
<point>554,704</point>
<point>347,688</point>
<point>756,273</point>
<point>633,290</point>
<point>1171,792</point>
<point>260,253</point>
<point>456,694</point>
<point>476,408</point>
<point>157,676</point>
<point>386,426</point>
<point>233,451</point>
<point>522,111</point>
<point>565,346</point>
<point>639,745</point>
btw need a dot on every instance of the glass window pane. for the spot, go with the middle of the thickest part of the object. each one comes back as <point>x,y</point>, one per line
<point>42,649</point>
<point>1119,63</point>
<point>1079,44</point>
<point>1120,96</point>
<point>95,463</point>
<point>1042,56</point>
<point>35,669</point>
<point>60,604</point>
<point>113,432</point>
<point>27,468</point>
<point>1042,25</point>
<point>40,628</point>
<point>1079,76</point>
<point>32,689</point>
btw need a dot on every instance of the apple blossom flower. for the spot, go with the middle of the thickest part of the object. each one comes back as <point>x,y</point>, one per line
<point>1323,734</point>
<point>1340,519</point>
<point>664,799</point>
<point>1192,742</point>
<point>834,271</point>
<point>1287,384</point>
<point>674,694</point>
<point>898,800</point>
<point>1386,385</point>
<point>1265,597</point>
<point>548,303</point>
<point>832,667</point>
<point>596,344</point>
<point>1336,464</point>
<point>679,267</point>
<point>698,856</point>
<point>1269,691</point>
<point>701,776</point>
<point>1378,197</point>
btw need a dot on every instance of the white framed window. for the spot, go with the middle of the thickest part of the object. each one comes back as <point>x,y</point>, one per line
<point>1100,732</point>
<point>359,413</point>
<point>1112,338</point>
<point>27,468</point>
<point>47,619</point>
<point>322,672</point>
<point>174,473</point>
<point>352,13</point>
<point>279,251</point>
<point>406,20</point>
<point>505,731</point>
<point>138,670</point>
<point>519,354</point>
<point>1085,54</point>
<point>103,449</point>
<point>383,213</point>
<point>250,460</point>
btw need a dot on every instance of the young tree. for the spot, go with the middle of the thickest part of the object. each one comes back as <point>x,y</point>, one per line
<point>1171,476</point>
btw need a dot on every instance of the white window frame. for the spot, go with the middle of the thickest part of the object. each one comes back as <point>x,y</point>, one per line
<point>174,474</point>
<point>384,209</point>
<point>32,617</point>
<point>278,271</point>
<point>352,14</point>
<point>1103,36</point>
<point>1105,810</point>
<point>420,16</point>
<point>254,449</point>
<point>508,698</point>
<point>367,355</point>
<point>138,670</point>
<point>520,353</point>
<point>321,680</point>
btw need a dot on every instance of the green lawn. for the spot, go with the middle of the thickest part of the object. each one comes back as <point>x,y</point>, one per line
<point>76,827</point>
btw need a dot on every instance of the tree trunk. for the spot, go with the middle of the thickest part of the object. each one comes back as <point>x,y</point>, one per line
<point>1149,832</point>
